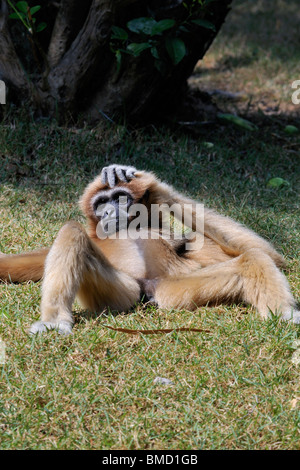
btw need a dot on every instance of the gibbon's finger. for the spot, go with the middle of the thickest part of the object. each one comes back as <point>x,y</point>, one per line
<point>121,173</point>
<point>104,175</point>
<point>111,176</point>
<point>113,173</point>
<point>108,175</point>
<point>130,173</point>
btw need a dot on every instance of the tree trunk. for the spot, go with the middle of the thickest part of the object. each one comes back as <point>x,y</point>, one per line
<point>107,59</point>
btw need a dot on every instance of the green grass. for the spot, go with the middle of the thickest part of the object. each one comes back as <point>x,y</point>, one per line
<point>235,387</point>
<point>257,55</point>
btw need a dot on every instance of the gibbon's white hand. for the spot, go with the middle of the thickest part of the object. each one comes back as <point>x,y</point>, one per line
<point>113,174</point>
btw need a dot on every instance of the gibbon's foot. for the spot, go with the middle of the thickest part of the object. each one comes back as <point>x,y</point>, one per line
<point>114,173</point>
<point>64,328</point>
<point>292,315</point>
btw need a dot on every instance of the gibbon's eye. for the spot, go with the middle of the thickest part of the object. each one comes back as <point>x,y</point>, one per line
<point>99,201</point>
<point>102,200</point>
<point>122,198</point>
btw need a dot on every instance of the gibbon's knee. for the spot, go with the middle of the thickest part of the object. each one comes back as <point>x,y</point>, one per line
<point>68,253</point>
<point>72,233</point>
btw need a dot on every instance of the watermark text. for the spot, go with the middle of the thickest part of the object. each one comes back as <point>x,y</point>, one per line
<point>137,221</point>
<point>296,94</point>
<point>2,92</point>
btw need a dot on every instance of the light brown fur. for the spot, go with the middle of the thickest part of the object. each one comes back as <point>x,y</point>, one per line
<point>234,264</point>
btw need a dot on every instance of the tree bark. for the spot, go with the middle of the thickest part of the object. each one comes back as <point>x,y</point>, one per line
<point>81,73</point>
<point>11,71</point>
<point>67,24</point>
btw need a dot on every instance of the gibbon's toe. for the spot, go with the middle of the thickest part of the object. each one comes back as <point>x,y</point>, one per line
<point>64,328</point>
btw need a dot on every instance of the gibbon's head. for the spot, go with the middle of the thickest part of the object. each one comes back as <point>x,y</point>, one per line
<point>110,210</point>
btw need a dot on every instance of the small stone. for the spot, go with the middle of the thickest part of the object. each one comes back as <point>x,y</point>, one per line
<point>163,381</point>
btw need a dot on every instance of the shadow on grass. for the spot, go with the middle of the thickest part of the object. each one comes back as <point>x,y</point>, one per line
<point>225,167</point>
<point>47,164</point>
<point>272,26</point>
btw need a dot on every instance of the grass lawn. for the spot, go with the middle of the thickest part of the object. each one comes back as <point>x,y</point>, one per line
<point>234,387</point>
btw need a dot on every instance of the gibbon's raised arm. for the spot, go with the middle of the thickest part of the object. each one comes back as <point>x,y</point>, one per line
<point>233,237</point>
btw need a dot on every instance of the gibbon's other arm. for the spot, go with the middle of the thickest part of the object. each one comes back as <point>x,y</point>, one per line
<point>23,267</point>
<point>230,235</point>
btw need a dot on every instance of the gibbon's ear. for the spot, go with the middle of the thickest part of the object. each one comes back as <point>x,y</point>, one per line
<point>85,202</point>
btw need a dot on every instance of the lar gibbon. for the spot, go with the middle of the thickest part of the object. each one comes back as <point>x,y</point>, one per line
<point>228,262</point>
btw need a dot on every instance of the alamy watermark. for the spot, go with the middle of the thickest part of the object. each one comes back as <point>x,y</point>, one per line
<point>296,94</point>
<point>177,222</point>
<point>2,92</point>
<point>2,352</point>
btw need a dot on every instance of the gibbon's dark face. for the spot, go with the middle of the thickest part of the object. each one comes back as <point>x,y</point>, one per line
<point>111,209</point>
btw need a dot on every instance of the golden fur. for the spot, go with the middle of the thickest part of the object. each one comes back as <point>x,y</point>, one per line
<point>233,264</point>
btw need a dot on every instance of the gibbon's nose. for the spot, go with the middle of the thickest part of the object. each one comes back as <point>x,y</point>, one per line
<point>109,213</point>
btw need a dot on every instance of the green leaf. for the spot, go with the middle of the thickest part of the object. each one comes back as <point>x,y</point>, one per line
<point>143,25</point>
<point>154,52</point>
<point>137,48</point>
<point>163,25</point>
<point>176,49</point>
<point>291,129</point>
<point>119,33</point>
<point>41,27</point>
<point>184,29</point>
<point>22,6</point>
<point>33,10</point>
<point>277,183</point>
<point>237,121</point>
<point>16,16</point>
<point>208,145</point>
<point>205,24</point>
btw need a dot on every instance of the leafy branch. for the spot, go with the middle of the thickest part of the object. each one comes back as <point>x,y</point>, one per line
<point>25,14</point>
<point>164,39</point>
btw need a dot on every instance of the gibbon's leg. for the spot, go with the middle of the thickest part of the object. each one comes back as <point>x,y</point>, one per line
<point>23,267</point>
<point>252,277</point>
<point>75,266</point>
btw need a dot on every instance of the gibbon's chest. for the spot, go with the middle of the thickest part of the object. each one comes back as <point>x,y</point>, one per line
<point>145,257</point>
<point>125,255</point>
